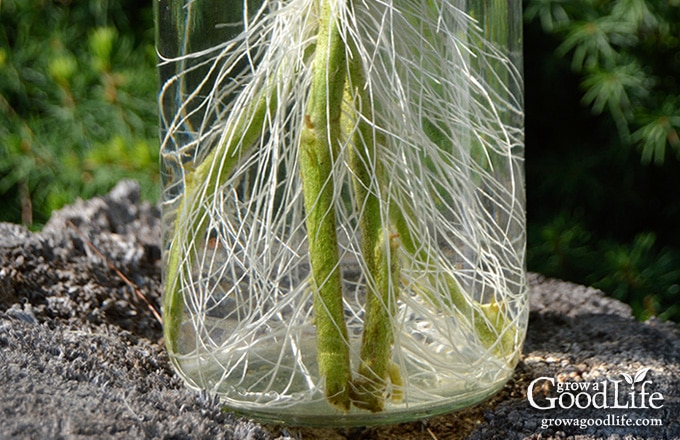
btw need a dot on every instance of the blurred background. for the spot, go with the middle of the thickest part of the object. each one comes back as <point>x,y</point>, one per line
<point>78,113</point>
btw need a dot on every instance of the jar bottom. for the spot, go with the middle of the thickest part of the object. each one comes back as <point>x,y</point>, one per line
<point>299,400</point>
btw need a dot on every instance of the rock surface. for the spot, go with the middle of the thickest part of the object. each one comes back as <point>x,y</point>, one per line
<point>81,352</point>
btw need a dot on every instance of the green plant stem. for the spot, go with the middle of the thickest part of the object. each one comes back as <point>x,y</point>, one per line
<point>319,142</point>
<point>378,246</point>
<point>376,345</point>
<point>489,322</point>
<point>192,217</point>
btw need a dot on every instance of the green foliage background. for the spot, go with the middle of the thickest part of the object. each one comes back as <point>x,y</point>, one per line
<point>77,102</point>
<point>78,113</point>
<point>603,151</point>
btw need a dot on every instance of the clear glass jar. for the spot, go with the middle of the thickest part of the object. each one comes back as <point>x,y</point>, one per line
<point>343,204</point>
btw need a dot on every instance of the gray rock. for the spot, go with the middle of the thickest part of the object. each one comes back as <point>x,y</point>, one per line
<point>81,354</point>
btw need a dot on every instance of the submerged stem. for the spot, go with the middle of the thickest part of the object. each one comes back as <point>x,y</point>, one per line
<point>376,345</point>
<point>192,217</point>
<point>489,322</point>
<point>378,245</point>
<point>318,144</point>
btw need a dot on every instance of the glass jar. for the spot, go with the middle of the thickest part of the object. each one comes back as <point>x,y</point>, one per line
<point>343,204</point>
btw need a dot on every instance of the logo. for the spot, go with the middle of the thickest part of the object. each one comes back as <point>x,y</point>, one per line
<point>633,392</point>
